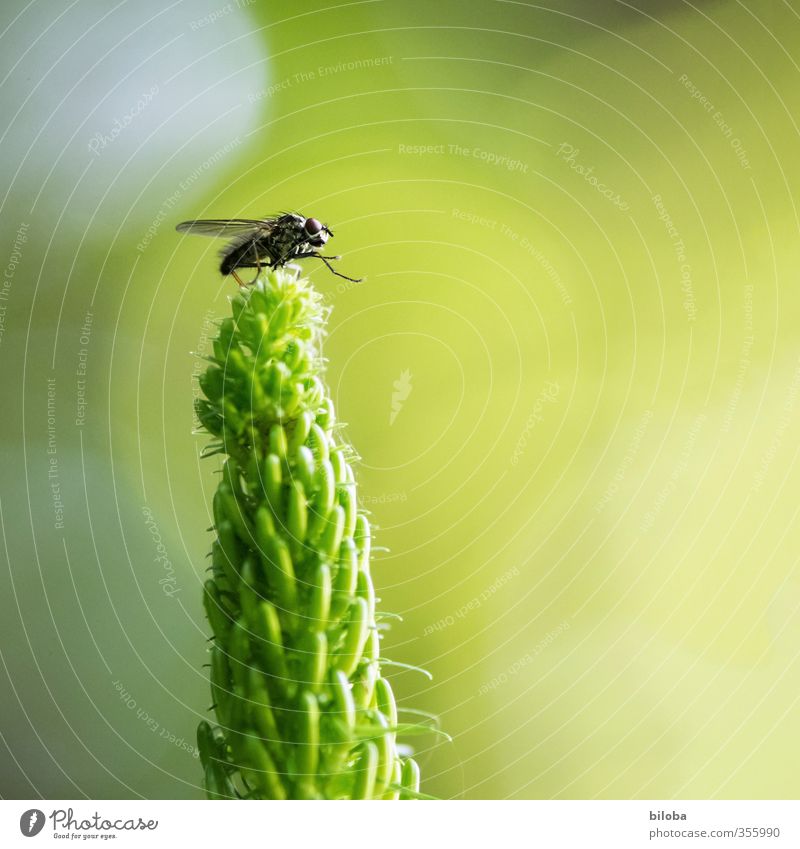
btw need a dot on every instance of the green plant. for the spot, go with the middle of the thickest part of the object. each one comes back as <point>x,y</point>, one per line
<point>302,708</point>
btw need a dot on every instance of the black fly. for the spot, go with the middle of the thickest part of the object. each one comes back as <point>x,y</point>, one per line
<point>269,242</point>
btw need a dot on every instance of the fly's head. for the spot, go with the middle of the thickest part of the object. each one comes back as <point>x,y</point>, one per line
<point>316,232</point>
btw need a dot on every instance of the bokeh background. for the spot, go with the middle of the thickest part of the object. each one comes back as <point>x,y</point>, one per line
<point>572,374</point>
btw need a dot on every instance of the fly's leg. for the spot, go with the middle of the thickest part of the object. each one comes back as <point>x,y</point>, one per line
<point>326,260</point>
<point>258,263</point>
<point>238,279</point>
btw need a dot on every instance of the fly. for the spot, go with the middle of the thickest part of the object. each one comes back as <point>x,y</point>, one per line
<point>269,242</point>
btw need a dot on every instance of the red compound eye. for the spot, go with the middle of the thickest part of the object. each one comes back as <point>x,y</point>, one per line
<point>312,226</point>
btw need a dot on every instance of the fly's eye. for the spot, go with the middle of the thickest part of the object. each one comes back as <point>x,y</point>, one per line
<point>312,226</point>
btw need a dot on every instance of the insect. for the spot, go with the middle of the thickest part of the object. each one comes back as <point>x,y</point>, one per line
<point>266,242</point>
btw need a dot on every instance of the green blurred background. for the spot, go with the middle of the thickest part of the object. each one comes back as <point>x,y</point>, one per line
<point>572,374</point>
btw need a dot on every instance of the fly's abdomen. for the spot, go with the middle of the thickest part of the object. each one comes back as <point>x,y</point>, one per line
<point>245,253</point>
<point>231,260</point>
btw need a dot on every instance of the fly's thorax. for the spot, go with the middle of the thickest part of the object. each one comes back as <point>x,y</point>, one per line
<point>287,239</point>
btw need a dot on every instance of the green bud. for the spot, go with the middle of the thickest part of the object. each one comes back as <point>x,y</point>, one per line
<point>347,498</point>
<point>221,684</point>
<point>385,701</point>
<point>261,714</point>
<point>226,554</point>
<point>249,593</point>
<point>304,466</point>
<point>384,742</point>
<point>301,430</point>
<point>278,443</point>
<point>312,663</point>
<point>319,603</point>
<point>264,527</point>
<point>260,769</point>
<point>332,532</point>
<point>210,743</point>
<point>211,382</point>
<point>277,563</point>
<point>364,685</point>
<point>239,648</point>
<point>346,580</point>
<point>319,444</point>
<point>357,631</point>
<point>366,590</point>
<point>372,650</point>
<point>266,629</point>
<point>227,507</point>
<point>216,613</point>
<point>326,417</point>
<point>307,745</point>
<point>397,771</point>
<point>209,416</point>
<point>344,706</point>
<point>297,514</point>
<point>362,537</point>
<point>339,466</point>
<point>325,485</point>
<point>218,785</point>
<point>273,482</point>
<point>409,778</point>
<point>280,319</point>
<point>366,769</point>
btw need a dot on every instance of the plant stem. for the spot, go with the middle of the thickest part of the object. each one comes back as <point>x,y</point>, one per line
<point>302,709</point>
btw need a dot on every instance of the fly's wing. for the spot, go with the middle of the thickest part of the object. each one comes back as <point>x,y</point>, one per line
<point>226,228</point>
